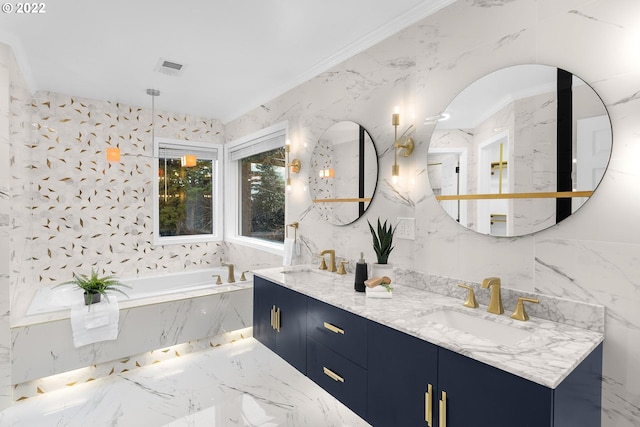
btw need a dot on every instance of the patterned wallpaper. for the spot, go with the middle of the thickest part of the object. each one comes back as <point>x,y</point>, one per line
<point>84,212</point>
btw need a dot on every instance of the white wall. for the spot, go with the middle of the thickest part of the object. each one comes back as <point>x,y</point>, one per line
<point>593,256</point>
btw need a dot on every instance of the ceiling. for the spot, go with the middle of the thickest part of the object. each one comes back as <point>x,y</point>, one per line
<point>237,54</point>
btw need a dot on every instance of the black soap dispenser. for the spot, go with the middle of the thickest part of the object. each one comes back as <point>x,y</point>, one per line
<point>361,274</point>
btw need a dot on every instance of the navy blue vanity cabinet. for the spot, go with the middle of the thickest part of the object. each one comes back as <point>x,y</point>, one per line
<point>480,395</point>
<point>401,369</point>
<point>279,321</point>
<point>337,353</point>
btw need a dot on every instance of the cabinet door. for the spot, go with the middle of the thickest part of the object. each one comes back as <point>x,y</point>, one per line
<point>481,395</point>
<point>291,340</point>
<point>400,369</point>
<point>265,295</point>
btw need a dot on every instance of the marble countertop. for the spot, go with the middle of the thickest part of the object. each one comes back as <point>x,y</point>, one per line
<point>546,356</point>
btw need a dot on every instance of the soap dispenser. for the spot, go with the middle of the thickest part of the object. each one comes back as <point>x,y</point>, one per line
<point>361,274</point>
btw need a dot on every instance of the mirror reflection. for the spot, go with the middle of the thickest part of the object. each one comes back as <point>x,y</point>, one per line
<point>343,173</point>
<point>519,150</point>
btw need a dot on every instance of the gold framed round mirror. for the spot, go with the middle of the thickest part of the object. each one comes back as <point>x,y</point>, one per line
<point>343,173</point>
<point>519,150</point>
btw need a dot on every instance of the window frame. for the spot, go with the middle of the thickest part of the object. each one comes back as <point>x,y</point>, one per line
<point>232,191</point>
<point>216,194</point>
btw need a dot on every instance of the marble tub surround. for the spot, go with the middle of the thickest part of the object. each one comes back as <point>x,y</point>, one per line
<point>46,348</point>
<point>548,354</point>
<point>236,384</point>
<point>554,308</point>
<point>65,380</point>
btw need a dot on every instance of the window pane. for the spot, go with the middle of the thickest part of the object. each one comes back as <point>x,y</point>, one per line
<point>185,198</point>
<point>262,195</point>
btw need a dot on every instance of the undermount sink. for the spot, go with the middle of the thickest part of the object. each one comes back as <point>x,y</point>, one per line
<point>478,326</point>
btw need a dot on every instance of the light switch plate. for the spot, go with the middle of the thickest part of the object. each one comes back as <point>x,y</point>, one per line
<point>406,228</point>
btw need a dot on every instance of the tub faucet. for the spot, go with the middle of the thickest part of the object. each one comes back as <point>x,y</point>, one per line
<point>495,303</point>
<point>231,278</point>
<point>332,259</point>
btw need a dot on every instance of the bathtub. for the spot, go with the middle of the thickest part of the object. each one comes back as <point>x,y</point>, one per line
<point>179,285</point>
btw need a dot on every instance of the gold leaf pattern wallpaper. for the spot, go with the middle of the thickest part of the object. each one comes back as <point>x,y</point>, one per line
<point>84,212</point>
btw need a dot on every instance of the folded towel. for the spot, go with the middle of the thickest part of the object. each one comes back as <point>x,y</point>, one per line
<point>95,322</point>
<point>287,258</point>
<point>377,292</point>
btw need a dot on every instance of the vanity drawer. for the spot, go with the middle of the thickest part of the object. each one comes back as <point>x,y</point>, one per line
<point>345,380</point>
<point>337,329</point>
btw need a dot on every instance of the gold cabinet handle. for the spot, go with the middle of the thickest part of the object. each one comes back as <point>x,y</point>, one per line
<point>332,328</point>
<point>278,319</point>
<point>273,317</point>
<point>428,405</point>
<point>328,372</point>
<point>443,410</point>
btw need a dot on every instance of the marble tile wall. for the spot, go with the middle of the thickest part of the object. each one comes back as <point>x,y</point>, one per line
<point>5,229</point>
<point>591,257</point>
<point>79,211</point>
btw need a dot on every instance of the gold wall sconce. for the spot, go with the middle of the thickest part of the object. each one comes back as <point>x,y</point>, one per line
<point>113,154</point>
<point>293,166</point>
<point>188,161</point>
<point>404,145</point>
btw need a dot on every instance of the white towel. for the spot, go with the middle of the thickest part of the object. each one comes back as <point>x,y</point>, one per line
<point>287,258</point>
<point>95,322</point>
<point>377,292</point>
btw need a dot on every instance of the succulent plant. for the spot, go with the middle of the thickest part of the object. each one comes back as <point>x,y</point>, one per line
<point>382,240</point>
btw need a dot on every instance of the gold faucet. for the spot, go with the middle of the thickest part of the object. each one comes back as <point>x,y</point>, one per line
<point>332,259</point>
<point>495,303</point>
<point>520,313</point>
<point>231,278</point>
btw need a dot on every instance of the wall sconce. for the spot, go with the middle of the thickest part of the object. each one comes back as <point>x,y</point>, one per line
<point>292,166</point>
<point>113,154</point>
<point>405,145</point>
<point>188,161</point>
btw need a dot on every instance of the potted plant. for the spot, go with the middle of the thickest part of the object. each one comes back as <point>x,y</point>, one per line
<point>94,286</point>
<point>382,245</point>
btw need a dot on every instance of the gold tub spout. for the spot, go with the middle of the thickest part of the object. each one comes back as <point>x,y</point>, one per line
<point>231,277</point>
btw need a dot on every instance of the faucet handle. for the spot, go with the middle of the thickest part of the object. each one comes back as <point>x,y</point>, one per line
<point>471,296</point>
<point>243,278</point>
<point>520,313</point>
<point>219,281</point>
<point>341,269</point>
<point>323,264</point>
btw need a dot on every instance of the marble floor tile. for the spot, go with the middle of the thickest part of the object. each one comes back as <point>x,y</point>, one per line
<point>238,384</point>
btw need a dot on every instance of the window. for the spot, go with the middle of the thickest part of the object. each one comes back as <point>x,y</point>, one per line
<point>256,197</point>
<point>262,195</point>
<point>186,206</point>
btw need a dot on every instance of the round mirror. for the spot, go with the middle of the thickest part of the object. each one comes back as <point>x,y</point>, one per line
<point>519,150</point>
<point>343,173</point>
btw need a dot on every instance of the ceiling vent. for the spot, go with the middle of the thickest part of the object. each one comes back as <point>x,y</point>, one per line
<point>170,68</point>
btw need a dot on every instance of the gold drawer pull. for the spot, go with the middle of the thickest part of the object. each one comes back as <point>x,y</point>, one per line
<point>278,319</point>
<point>443,410</point>
<point>428,405</point>
<point>273,317</point>
<point>332,328</point>
<point>328,372</point>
